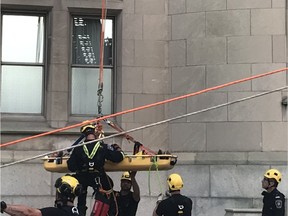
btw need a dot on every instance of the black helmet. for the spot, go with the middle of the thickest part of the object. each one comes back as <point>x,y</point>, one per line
<point>67,188</point>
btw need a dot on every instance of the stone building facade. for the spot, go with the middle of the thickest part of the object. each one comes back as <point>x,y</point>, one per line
<point>165,49</point>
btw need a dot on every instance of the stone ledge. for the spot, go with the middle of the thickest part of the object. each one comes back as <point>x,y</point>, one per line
<point>221,158</point>
<point>186,158</point>
<point>8,156</point>
<point>243,212</point>
<point>232,158</point>
<point>272,158</point>
<point>22,155</point>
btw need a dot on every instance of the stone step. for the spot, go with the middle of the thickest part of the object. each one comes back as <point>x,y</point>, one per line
<point>243,212</point>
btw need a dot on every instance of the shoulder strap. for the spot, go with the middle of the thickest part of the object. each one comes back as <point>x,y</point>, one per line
<point>90,156</point>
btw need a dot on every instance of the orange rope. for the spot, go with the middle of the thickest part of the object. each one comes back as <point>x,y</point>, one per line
<point>144,107</point>
<point>128,137</point>
<point>103,18</point>
<point>102,35</point>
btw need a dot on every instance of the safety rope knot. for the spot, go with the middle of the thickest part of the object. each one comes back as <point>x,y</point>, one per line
<point>100,100</point>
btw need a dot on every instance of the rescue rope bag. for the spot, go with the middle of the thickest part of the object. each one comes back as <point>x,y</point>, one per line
<point>101,205</point>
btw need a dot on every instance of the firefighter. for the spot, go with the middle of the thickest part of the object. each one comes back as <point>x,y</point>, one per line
<point>176,204</point>
<point>67,188</point>
<point>88,163</point>
<point>128,200</point>
<point>273,200</point>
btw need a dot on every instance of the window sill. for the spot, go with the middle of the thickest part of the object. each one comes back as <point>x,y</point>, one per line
<point>15,124</point>
<point>20,124</point>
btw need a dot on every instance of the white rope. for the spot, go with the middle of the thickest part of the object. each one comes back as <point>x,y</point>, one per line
<point>146,126</point>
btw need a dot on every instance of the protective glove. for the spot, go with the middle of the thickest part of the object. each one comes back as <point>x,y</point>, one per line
<point>159,198</point>
<point>3,206</point>
<point>167,193</point>
<point>138,143</point>
<point>163,196</point>
<point>137,146</point>
<point>116,147</point>
<point>132,174</point>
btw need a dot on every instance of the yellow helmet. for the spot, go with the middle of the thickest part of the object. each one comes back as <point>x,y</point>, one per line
<point>273,174</point>
<point>88,129</point>
<point>126,176</point>
<point>68,185</point>
<point>175,182</point>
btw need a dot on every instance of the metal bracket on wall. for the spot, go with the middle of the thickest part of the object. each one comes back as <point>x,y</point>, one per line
<point>284,101</point>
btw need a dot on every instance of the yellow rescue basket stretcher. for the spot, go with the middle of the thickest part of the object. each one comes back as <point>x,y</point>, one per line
<point>136,162</point>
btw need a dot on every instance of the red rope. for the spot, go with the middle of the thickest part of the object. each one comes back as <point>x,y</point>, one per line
<point>103,18</point>
<point>145,106</point>
<point>129,138</point>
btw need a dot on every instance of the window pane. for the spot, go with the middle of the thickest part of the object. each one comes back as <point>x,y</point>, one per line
<point>84,91</point>
<point>86,41</point>
<point>22,38</point>
<point>21,89</point>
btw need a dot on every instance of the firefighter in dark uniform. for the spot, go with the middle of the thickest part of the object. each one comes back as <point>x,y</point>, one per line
<point>176,204</point>
<point>67,187</point>
<point>273,200</point>
<point>88,163</point>
<point>128,200</point>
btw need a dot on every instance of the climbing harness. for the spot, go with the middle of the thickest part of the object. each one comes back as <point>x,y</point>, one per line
<point>92,154</point>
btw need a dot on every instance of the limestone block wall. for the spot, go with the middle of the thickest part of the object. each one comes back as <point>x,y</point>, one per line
<point>212,43</point>
<point>167,48</point>
<point>215,43</point>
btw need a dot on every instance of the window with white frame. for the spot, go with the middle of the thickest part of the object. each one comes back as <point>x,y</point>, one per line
<point>22,63</point>
<point>86,65</point>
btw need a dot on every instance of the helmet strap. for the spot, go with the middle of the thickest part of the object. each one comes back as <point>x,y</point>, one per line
<point>62,200</point>
<point>174,191</point>
<point>270,187</point>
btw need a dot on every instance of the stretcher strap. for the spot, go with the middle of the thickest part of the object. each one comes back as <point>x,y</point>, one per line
<point>154,164</point>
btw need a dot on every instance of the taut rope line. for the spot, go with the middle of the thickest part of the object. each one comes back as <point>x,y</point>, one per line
<point>145,106</point>
<point>147,126</point>
<point>102,34</point>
